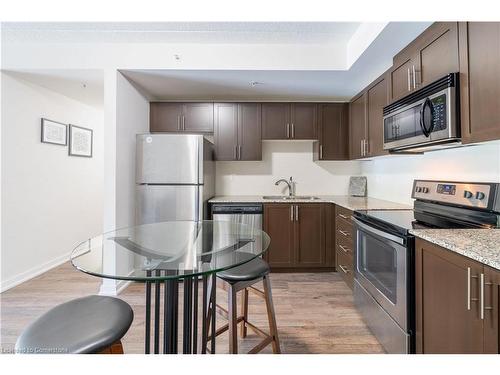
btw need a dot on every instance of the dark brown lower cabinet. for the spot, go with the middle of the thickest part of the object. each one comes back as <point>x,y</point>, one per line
<point>301,238</point>
<point>344,245</point>
<point>310,235</point>
<point>456,303</point>
<point>279,225</point>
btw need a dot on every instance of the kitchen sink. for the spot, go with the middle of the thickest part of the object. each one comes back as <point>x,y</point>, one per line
<point>289,198</point>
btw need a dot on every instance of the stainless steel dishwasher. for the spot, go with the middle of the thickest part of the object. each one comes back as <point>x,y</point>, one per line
<point>238,213</point>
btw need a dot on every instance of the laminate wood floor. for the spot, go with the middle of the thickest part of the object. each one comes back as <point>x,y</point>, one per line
<point>314,311</point>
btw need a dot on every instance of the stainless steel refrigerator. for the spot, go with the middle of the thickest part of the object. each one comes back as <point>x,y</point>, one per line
<point>175,177</point>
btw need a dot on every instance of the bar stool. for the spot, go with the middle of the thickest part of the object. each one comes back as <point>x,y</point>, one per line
<point>93,324</point>
<point>242,278</point>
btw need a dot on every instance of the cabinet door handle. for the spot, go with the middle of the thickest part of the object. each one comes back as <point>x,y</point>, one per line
<point>469,297</point>
<point>344,233</point>
<point>320,152</point>
<point>235,152</point>
<point>468,288</point>
<point>414,77</point>
<point>239,152</point>
<point>345,250</point>
<point>183,122</point>
<point>367,150</point>
<point>293,130</point>
<point>488,307</point>
<point>361,144</point>
<point>291,213</point>
<point>409,80</point>
<point>343,216</point>
<point>296,213</point>
<point>481,296</point>
<point>179,123</point>
<point>288,130</point>
<point>344,269</point>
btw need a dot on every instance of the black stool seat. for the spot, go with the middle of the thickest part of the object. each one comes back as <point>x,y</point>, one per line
<point>84,325</point>
<point>252,270</point>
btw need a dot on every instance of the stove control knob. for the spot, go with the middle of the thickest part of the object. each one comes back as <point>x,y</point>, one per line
<point>425,190</point>
<point>468,194</point>
<point>419,189</point>
<point>480,195</point>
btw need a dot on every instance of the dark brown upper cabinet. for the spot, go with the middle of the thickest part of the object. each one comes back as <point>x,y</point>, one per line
<point>480,81</point>
<point>303,120</point>
<point>238,131</point>
<point>401,82</point>
<point>357,127</point>
<point>377,97</point>
<point>165,117</point>
<point>181,117</point>
<point>198,117</point>
<point>289,120</point>
<point>366,130</point>
<point>456,303</point>
<point>333,132</point>
<point>432,55</point>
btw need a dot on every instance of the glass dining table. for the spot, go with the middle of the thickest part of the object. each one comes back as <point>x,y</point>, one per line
<point>165,255</point>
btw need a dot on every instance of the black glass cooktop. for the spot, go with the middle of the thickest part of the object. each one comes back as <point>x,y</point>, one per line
<point>392,220</point>
<point>428,215</point>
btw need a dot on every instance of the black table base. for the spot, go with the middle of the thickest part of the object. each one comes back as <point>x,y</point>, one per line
<point>191,343</point>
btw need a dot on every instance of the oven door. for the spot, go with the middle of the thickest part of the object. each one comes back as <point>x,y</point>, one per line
<point>380,266</point>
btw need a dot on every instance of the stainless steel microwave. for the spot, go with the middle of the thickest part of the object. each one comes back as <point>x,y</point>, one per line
<point>425,120</point>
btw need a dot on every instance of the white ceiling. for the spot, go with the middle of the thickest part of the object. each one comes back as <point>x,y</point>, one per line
<point>370,45</point>
<point>327,85</point>
<point>180,32</point>
<point>86,86</point>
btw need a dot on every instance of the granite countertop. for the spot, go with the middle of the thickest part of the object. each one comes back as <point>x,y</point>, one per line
<point>482,245</point>
<point>351,203</point>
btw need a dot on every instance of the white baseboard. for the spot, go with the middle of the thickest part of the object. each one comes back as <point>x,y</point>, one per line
<point>114,287</point>
<point>33,272</point>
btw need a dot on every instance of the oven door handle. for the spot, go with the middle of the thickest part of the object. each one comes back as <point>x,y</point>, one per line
<point>378,232</point>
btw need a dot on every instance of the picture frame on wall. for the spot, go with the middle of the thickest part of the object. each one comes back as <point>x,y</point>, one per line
<point>54,132</point>
<point>80,141</point>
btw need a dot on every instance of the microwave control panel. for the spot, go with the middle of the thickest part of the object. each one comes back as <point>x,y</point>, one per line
<point>456,193</point>
<point>439,107</point>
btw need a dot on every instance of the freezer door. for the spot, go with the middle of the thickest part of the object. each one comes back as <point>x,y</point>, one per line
<point>169,159</point>
<point>157,203</point>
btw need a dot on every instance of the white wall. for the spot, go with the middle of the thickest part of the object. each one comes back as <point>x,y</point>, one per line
<point>391,177</point>
<point>50,201</point>
<point>282,159</point>
<point>127,114</point>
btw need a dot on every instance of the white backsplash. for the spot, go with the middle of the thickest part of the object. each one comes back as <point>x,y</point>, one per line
<point>282,159</point>
<point>389,178</point>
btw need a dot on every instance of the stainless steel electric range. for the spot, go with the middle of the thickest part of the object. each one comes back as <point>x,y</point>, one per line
<point>384,252</point>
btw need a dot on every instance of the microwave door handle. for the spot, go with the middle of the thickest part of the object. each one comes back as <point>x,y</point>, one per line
<point>427,130</point>
<point>378,232</point>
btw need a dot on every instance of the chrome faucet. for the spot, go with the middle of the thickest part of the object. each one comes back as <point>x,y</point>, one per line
<point>290,184</point>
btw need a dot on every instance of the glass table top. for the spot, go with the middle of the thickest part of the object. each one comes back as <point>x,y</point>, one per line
<point>169,250</point>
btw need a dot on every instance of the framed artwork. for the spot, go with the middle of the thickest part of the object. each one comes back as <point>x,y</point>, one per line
<point>80,141</point>
<point>54,132</point>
